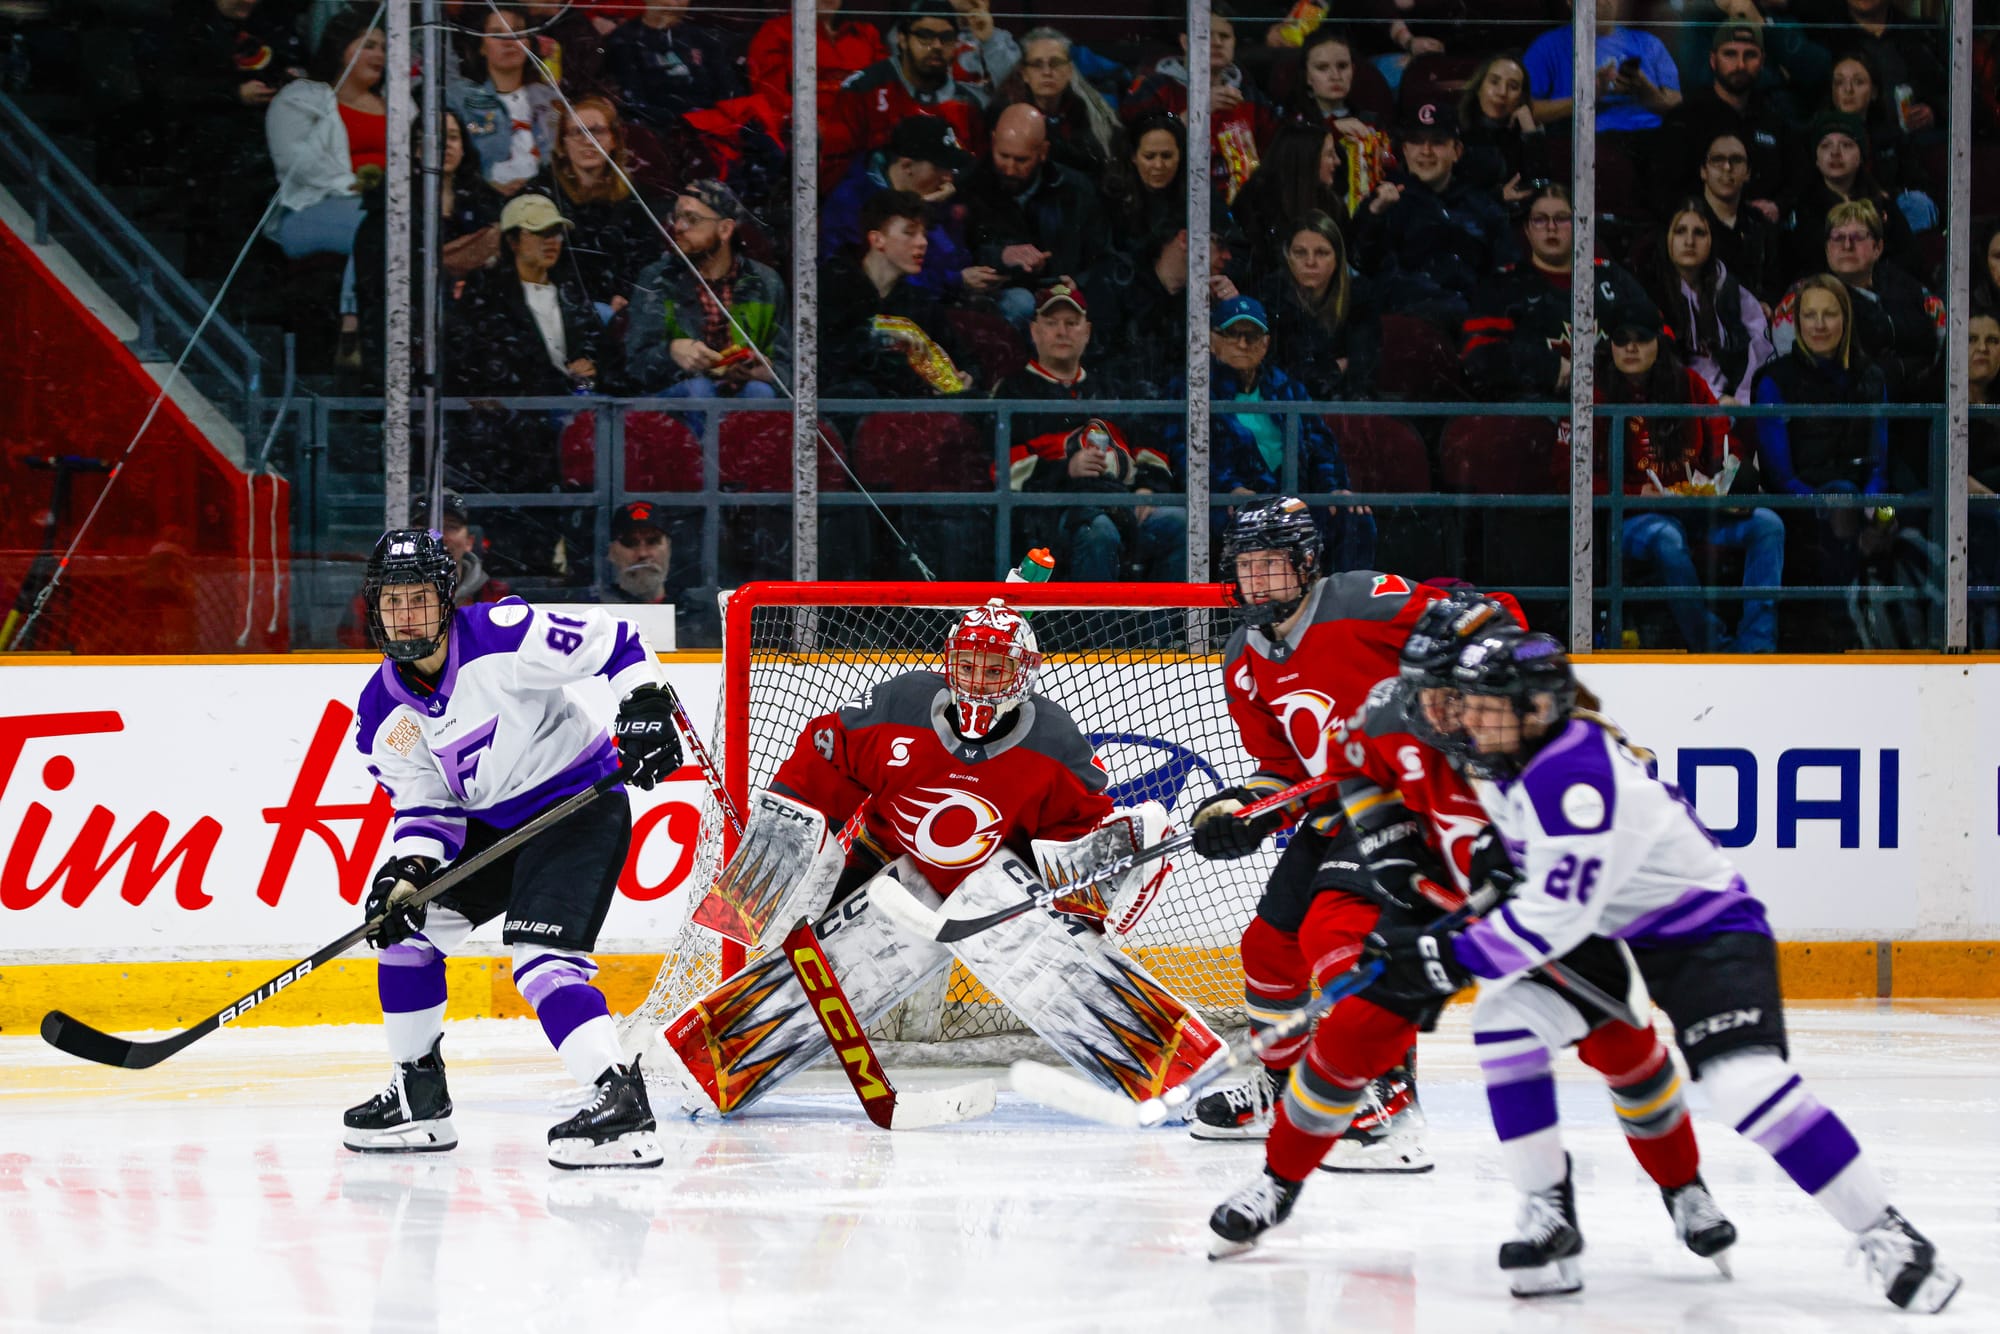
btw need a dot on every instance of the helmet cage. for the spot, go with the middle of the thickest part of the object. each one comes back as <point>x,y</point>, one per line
<point>1285,526</point>
<point>1520,668</point>
<point>1442,629</point>
<point>997,630</point>
<point>409,556</point>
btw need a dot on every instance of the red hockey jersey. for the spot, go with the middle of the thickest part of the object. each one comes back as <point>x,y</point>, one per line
<point>1395,761</point>
<point>947,802</point>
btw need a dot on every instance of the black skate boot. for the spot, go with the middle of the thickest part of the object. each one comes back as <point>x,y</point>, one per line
<point>1386,1135</point>
<point>1542,1260</point>
<point>1700,1224</point>
<point>412,1115</point>
<point>1905,1264</point>
<point>615,1130</point>
<point>1241,1111</point>
<point>1258,1206</point>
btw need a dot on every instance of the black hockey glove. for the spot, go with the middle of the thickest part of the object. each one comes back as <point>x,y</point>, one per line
<point>1418,964</point>
<point>388,899</point>
<point>1404,868</point>
<point>649,747</point>
<point>1220,835</point>
<point>1492,864</point>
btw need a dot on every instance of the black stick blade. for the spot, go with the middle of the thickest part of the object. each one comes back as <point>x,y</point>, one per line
<point>79,1039</point>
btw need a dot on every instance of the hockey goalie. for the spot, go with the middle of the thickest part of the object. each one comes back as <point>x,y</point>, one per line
<point>972,790</point>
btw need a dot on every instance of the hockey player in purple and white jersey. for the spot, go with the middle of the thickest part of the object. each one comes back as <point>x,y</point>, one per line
<point>1607,851</point>
<point>470,728</point>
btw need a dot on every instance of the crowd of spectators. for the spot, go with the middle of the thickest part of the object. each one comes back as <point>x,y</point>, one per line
<point>1003,213</point>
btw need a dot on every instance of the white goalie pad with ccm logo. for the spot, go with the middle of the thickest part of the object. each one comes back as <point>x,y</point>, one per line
<point>784,869</point>
<point>1120,903</point>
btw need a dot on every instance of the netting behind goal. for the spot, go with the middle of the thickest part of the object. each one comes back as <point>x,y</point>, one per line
<point>1135,665</point>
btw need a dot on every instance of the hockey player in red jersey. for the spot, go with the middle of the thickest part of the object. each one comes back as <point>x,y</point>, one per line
<point>964,789</point>
<point>1394,842</point>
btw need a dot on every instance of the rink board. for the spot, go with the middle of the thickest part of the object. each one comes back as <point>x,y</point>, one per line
<point>1861,799</point>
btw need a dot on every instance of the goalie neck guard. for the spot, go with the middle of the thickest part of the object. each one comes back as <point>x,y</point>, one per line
<point>1285,526</point>
<point>406,556</point>
<point>991,661</point>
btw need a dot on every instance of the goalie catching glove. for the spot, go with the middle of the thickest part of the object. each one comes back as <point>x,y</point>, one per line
<point>1117,904</point>
<point>649,748</point>
<point>388,898</point>
<point>1220,835</point>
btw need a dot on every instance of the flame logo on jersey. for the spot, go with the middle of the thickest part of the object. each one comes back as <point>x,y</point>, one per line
<point>923,825</point>
<point>1309,719</point>
<point>1159,1041</point>
<point>1454,835</point>
<point>718,1038</point>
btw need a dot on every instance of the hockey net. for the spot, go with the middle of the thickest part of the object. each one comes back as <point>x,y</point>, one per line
<point>1135,664</point>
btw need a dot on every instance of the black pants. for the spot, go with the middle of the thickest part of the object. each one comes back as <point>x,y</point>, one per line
<point>556,887</point>
<point>1720,992</point>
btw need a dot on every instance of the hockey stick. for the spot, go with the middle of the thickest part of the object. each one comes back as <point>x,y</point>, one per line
<point>886,1106</point>
<point>708,769</point>
<point>935,925</point>
<point>79,1039</point>
<point>1071,1093</point>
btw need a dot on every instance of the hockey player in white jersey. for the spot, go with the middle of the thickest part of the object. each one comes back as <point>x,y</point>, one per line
<point>1606,850</point>
<point>469,727</point>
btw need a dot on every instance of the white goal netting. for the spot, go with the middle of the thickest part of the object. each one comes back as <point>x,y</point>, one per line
<point>1141,680</point>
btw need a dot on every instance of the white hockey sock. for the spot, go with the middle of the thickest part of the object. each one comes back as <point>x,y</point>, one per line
<point>590,1049</point>
<point>1535,1161</point>
<point>412,1032</point>
<point>1856,1197</point>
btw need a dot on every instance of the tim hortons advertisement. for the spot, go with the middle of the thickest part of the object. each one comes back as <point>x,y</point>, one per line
<point>203,811</point>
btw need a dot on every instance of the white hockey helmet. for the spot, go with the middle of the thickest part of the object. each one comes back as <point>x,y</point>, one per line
<point>990,661</point>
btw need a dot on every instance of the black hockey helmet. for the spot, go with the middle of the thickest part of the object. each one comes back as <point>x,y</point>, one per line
<point>1522,668</point>
<point>1428,656</point>
<point>409,556</point>
<point>1284,525</point>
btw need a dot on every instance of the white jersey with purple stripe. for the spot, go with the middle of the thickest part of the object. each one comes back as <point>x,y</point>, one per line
<point>497,738</point>
<point>1605,849</point>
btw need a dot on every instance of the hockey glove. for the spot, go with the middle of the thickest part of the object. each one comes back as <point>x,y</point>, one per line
<point>649,747</point>
<point>388,898</point>
<point>1405,870</point>
<point>1220,835</point>
<point>1492,864</point>
<point>1418,964</point>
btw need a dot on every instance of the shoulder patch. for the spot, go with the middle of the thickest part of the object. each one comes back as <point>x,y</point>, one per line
<point>508,613</point>
<point>1389,585</point>
<point>1583,806</point>
<point>1571,784</point>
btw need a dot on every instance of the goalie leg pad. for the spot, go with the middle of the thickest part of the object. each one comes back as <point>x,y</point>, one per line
<point>756,1030</point>
<point>1102,1011</point>
<point>784,869</point>
<point>1120,903</point>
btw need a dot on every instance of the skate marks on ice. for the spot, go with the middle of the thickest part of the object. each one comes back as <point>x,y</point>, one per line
<point>212,1194</point>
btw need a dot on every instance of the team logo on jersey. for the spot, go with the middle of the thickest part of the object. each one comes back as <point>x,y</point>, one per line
<point>1389,585</point>
<point>1309,720</point>
<point>1246,680</point>
<point>459,760</point>
<point>953,828</point>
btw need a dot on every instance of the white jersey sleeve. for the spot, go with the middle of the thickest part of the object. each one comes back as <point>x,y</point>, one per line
<point>560,647</point>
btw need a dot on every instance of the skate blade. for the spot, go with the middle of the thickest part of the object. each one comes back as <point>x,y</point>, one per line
<point>416,1137</point>
<point>1222,1248</point>
<point>1721,1261</point>
<point>639,1149</point>
<point>1935,1292</point>
<point>1255,1132</point>
<point>1390,1158</point>
<point>1558,1278</point>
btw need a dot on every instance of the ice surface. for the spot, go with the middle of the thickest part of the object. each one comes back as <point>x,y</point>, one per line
<point>212,1194</point>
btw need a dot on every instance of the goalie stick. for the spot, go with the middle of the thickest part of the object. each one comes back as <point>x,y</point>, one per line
<point>886,1106</point>
<point>79,1039</point>
<point>935,925</point>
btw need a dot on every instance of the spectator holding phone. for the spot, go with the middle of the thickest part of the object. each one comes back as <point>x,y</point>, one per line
<point>1029,218</point>
<point>692,336</point>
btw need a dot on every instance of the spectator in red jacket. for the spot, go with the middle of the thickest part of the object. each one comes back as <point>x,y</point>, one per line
<point>846,47</point>
<point>1243,120</point>
<point>916,80</point>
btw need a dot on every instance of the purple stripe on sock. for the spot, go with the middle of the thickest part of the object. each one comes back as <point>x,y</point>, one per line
<point>405,989</point>
<point>1521,1065</point>
<point>569,1008</point>
<point>1523,1107</point>
<point>1507,915</point>
<point>1780,1133</point>
<point>1743,1126</point>
<point>581,965</point>
<point>414,952</point>
<point>1819,1154</point>
<point>1504,1035</point>
<point>545,983</point>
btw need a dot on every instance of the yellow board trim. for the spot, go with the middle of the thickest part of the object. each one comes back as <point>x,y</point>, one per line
<point>132,997</point>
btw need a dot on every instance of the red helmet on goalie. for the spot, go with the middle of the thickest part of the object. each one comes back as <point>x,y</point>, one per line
<point>990,661</point>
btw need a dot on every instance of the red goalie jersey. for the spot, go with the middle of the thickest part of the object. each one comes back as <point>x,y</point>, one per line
<point>947,802</point>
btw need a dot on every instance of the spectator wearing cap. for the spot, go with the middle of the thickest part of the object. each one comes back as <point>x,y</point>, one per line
<point>684,324</point>
<point>507,108</point>
<point>1637,82</point>
<point>1027,217</point>
<point>1682,456</point>
<point>1427,237</point>
<point>1748,241</point>
<point>637,570</point>
<point>1737,102</point>
<point>1242,119</point>
<point>925,158</point>
<point>1084,133</point>
<point>1323,320</point>
<point>664,64</point>
<point>1895,320</point>
<point>1518,344</point>
<point>915,80</point>
<point>525,328</point>
<point>1075,448</point>
<point>1719,328</point>
<point>1840,173</point>
<point>1247,450</point>
<point>879,336</point>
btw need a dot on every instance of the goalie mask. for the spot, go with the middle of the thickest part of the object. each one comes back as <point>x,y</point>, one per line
<point>990,662</point>
<point>1283,528</point>
<point>405,560</point>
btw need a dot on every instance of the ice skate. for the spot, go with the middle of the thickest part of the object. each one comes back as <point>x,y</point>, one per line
<point>616,1129</point>
<point>1241,1111</point>
<point>1542,1260</point>
<point>1386,1135</point>
<point>412,1115</point>
<point>1700,1223</point>
<point>1259,1205</point>
<point>1905,1264</point>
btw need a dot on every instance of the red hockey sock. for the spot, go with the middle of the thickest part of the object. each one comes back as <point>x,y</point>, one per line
<point>1672,1159</point>
<point>1291,1152</point>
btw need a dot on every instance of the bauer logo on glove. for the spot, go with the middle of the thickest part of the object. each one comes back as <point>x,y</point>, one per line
<point>648,746</point>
